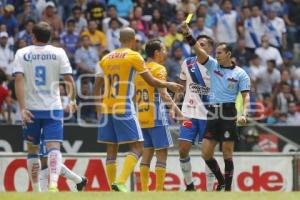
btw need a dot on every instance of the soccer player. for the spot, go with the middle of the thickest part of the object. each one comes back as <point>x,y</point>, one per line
<point>153,117</point>
<point>118,122</point>
<point>227,80</point>
<point>194,77</point>
<point>37,69</point>
<point>65,171</point>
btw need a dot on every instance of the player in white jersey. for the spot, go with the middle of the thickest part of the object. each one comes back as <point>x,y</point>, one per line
<point>37,69</point>
<point>197,84</point>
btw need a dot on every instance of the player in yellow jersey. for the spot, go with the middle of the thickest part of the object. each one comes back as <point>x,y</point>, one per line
<point>118,122</point>
<point>153,117</point>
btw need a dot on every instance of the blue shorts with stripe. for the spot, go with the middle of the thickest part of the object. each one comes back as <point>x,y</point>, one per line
<point>195,133</point>
<point>158,137</point>
<point>46,123</point>
<point>119,128</point>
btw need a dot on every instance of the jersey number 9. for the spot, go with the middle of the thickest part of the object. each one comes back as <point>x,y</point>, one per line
<point>40,75</point>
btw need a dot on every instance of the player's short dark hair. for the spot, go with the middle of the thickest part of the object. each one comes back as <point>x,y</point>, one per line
<point>111,6</point>
<point>76,8</point>
<point>272,61</point>
<point>227,47</point>
<point>224,1</point>
<point>254,56</point>
<point>209,39</point>
<point>152,46</point>
<point>30,21</point>
<point>42,32</point>
<point>71,21</point>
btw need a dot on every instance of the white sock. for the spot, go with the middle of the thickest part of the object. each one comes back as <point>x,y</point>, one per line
<point>67,173</point>
<point>186,168</point>
<point>34,167</point>
<point>210,179</point>
<point>44,179</point>
<point>54,165</point>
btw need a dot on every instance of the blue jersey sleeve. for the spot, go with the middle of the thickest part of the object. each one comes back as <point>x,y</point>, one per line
<point>210,64</point>
<point>244,82</point>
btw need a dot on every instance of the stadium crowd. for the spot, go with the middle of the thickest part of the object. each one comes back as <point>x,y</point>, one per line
<point>265,36</point>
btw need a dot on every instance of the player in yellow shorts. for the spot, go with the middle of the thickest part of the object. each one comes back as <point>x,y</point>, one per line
<point>118,121</point>
<point>153,117</point>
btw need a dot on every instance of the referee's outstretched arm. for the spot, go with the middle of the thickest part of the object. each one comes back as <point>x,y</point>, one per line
<point>202,56</point>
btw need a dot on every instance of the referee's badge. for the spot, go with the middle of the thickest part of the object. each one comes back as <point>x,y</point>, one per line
<point>226,134</point>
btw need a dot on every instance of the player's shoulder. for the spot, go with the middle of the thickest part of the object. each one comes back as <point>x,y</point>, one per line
<point>240,71</point>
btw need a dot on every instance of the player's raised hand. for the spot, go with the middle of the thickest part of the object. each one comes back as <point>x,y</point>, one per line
<point>185,28</point>
<point>175,87</point>
<point>26,116</point>
<point>242,120</point>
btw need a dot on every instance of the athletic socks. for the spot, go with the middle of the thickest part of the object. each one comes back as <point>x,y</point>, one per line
<point>214,167</point>
<point>210,179</point>
<point>68,174</point>
<point>34,167</point>
<point>130,161</point>
<point>186,168</point>
<point>160,172</point>
<point>54,165</point>
<point>144,176</point>
<point>111,170</point>
<point>228,173</point>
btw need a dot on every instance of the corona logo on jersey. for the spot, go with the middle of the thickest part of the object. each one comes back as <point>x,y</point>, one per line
<point>30,57</point>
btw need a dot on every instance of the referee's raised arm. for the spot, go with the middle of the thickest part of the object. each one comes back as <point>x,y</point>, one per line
<point>202,56</point>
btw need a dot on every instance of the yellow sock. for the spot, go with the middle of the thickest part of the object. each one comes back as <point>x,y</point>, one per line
<point>144,170</point>
<point>128,166</point>
<point>160,173</point>
<point>111,170</point>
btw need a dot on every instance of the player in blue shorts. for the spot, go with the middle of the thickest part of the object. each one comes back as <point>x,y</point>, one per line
<point>118,122</point>
<point>153,117</point>
<point>37,70</point>
<point>196,80</point>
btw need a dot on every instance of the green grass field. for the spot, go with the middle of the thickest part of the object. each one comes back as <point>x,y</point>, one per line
<point>154,196</point>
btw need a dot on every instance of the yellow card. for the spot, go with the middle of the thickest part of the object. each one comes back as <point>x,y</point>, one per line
<point>189,17</point>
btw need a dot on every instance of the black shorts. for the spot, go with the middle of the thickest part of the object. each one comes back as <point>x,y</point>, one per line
<point>221,122</point>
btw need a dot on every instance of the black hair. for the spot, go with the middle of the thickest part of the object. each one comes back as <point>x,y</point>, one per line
<point>227,47</point>
<point>209,39</point>
<point>3,76</point>
<point>152,46</point>
<point>76,8</point>
<point>272,61</point>
<point>71,21</point>
<point>224,1</point>
<point>111,6</point>
<point>30,21</point>
<point>42,32</point>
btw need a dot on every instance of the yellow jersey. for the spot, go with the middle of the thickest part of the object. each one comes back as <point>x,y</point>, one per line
<point>150,108</point>
<point>119,68</point>
<point>97,39</point>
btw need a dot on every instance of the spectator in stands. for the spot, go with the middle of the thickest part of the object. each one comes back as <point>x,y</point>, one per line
<point>242,55</point>
<point>10,20</point>
<point>29,13</point>
<point>134,25</point>
<point>69,40</point>
<point>112,13</point>
<point>174,62</point>
<point>276,30</point>
<point>254,29</point>
<point>49,15</point>
<point>98,38</point>
<point>202,11</point>
<point>245,14</point>
<point>288,63</point>
<point>113,34</point>
<point>159,20</point>
<point>10,40</point>
<point>95,11</point>
<point>147,7</point>
<point>166,9</point>
<point>5,97</point>
<point>187,6</point>
<point>87,109</point>
<point>266,52</point>
<point>172,36</point>
<point>80,21</point>
<point>141,25</point>
<point>276,5</point>
<point>6,54</point>
<point>213,7</point>
<point>226,24</point>
<point>268,79</point>
<point>292,19</point>
<point>65,100</point>
<point>255,68</point>
<point>26,34</point>
<point>283,98</point>
<point>180,17</point>
<point>264,108</point>
<point>21,43</point>
<point>200,28</point>
<point>86,57</point>
<point>123,7</point>
<point>293,117</point>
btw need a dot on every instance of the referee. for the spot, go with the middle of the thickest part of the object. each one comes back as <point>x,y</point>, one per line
<point>227,80</point>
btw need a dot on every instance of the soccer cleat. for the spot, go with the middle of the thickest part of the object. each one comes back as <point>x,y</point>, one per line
<point>220,188</point>
<point>118,187</point>
<point>190,187</point>
<point>53,189</point>
<point>80,186</point>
